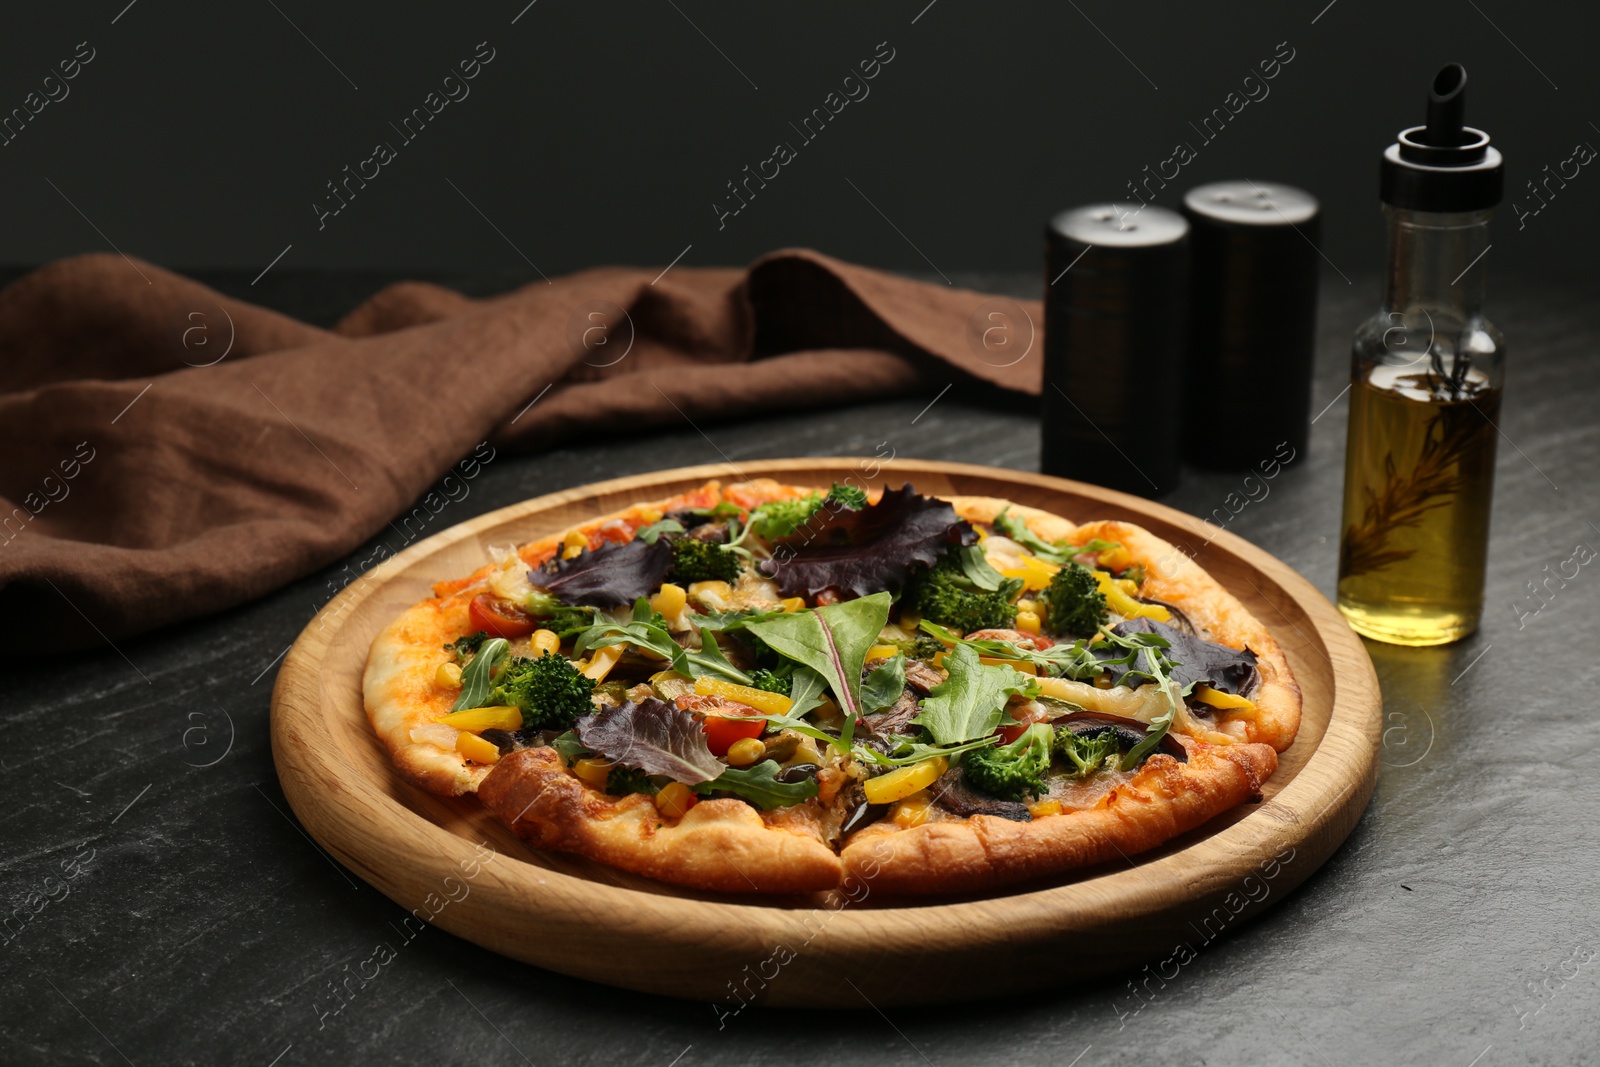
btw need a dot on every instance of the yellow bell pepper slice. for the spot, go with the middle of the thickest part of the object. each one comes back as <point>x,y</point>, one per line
<point>601,662</point>
<point>759,699</point>
<point>476,748</point>
<point>1118,600</point>
<point>882,652</point>
<point>1225,701</point>
<point>477,720</point>
<point>903,781</point>
<point>793,604</point>
<point>1035,573</point>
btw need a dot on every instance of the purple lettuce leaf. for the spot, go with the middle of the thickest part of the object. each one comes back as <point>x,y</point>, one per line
<point>654,736</point>
<point>858,553</point>
<point>607,576</point>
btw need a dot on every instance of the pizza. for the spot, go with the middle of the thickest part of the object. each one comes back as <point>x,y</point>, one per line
<point>762,688</point>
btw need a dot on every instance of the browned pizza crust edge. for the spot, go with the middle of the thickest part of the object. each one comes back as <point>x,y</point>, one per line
<point>721,845</point>
<point>983,852</point>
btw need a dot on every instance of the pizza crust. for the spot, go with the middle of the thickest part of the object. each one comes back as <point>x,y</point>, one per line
<point>723,845</point>
<point>1163,799</point>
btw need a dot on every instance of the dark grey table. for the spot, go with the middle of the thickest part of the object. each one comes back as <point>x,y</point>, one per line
<point>162,906</point>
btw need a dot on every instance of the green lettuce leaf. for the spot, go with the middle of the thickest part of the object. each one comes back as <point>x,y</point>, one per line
<point>970,703</point>
<point>760,786</point>
<point>832,641</point>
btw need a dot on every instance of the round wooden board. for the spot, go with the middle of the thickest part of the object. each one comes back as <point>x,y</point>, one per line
<point>432,855</point>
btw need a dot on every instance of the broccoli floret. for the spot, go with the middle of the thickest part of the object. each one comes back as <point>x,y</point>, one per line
<point>948,596</point>
<point>1074,605</point>
<point>624,780</point>
<point>556,616</point>
<point>847,496</point>
<point>550,691</point>
<point>1012,771</point>
<point>1086,752</point>
<point>466,647</point>
<point>761,678</point>
<point>780,518</point>
<point>694,560</point>
<point>923,647</point>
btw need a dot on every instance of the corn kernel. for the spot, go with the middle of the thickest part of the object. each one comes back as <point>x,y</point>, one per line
<point>674,800</point>
<point>546,641</point>
<point>912,811</point>
<point>794,603</point>
<point>1039,809</point>
<point>669,601</point>
<point>448,676</point>
<point>746,751</point>
<point>573,543</point>
<point>593,771</point>
<point>882,652</point>
<point>650,515</point>
<point>1028,622</point>
<point>476,748</point>
<point>1026,604</point>
<point>712,594</point>
<point>759,699</point>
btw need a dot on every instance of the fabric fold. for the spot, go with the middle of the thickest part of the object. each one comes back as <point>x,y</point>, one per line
<point>171,452</point>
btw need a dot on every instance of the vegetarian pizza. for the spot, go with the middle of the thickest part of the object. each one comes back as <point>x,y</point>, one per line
<point>767,688</point>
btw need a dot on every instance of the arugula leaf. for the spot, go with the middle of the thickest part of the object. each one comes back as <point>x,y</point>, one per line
<point>1050,551</point>
<point>832,641</point>
<point>975,566</point>
<point>646,630</point>
<point>654,736</point>
<point>805,690</point>
<point>649,534</point>
<point>1147,648</point>
<point>884,685</point>
<point>908,750</point>
<point>1064,659</point>
<point>1192,660</point>
<point>475,680</point>
<point>970,703</point>
<point>729,621</point>
<point>759,785</point>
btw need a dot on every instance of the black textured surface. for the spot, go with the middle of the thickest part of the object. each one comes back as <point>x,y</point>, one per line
<point>1455,927</point>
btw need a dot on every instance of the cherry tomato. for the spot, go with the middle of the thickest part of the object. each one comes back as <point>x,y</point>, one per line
<point>722,732</point>
<point>1026,716</point>
<point>500,618</point>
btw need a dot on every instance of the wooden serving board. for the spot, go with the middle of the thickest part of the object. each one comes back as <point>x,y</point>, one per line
<point>433,855</point>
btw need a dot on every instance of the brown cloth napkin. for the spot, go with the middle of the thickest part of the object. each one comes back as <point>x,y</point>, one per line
<point>146,478</point>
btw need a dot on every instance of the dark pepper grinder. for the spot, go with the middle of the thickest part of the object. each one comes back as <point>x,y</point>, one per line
<point>1115,307</point>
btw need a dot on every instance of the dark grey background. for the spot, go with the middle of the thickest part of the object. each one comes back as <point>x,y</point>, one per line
<point>202,133</point>
<point>1451,930</point>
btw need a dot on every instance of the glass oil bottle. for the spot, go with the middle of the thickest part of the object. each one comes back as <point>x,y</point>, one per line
<point>1425,386</point>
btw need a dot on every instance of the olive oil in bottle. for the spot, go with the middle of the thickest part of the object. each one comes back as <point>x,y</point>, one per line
<point>1425,387</point>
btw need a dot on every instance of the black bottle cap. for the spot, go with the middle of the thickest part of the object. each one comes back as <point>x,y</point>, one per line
<point>1444,165</point>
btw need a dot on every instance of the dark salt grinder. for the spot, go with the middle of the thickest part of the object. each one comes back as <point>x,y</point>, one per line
<point>1116,282</point>
<point>1252,321</point>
